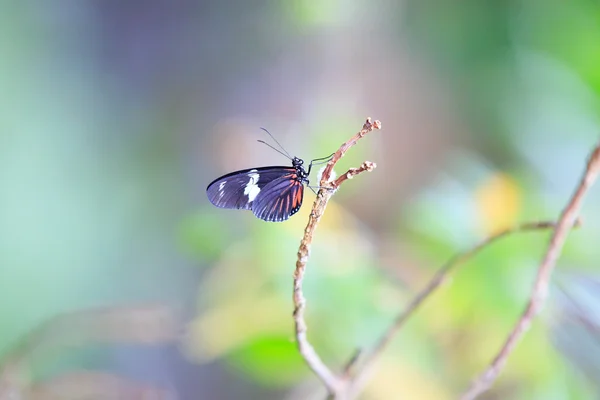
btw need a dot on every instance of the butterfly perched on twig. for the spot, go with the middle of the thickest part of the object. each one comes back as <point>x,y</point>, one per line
<point>272,193</point>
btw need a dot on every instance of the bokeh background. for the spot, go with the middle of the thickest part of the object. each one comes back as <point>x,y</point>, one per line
<point>119,279</point>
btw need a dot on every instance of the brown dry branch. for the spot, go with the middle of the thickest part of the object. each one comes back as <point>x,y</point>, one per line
<point>149,324</point>
<point>333,383</point>
<point>360,377</point>
<point>539,290</point>
<point>83,384</point>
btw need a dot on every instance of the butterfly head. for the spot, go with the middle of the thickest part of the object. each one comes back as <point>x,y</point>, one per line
<point>298,163</point>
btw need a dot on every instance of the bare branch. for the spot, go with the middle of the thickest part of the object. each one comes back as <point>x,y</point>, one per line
<point>94,385</point>
<point>150,324</point>
<point>349,384</point>
<point>308,353</point>
<point>438,279</point>
<point>539,291</point>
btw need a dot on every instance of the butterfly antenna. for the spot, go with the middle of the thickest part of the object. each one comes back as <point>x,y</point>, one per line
<point>279,144</point>
<point>277,150</point>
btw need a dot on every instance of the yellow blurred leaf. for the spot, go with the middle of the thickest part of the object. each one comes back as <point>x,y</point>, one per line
<point>498,201</point>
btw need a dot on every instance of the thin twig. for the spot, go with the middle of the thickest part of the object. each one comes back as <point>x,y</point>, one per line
<point>352,172</point>
<point>308,353</point>
<point>539,291</point>
<point>438,279</point>
<point>347,371</point>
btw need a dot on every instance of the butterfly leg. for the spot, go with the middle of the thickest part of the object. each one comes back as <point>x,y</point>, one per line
<point>318,188</point>
<point>322,160</point>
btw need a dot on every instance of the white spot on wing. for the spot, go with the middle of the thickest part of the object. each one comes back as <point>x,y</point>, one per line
<point>222,189</point>
<point>252,190</point>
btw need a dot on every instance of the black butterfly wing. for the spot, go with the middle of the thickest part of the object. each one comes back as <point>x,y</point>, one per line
<point>279,199</point>
<point>239,189</point>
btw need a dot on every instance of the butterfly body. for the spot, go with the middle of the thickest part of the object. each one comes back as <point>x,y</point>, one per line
<point>271,193</point>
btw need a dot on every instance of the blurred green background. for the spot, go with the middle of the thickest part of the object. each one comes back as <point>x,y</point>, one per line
<point>114,116</point>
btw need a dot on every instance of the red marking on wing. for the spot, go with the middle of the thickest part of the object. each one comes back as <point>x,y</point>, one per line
<point>287,202</point>
<point>298,198</point>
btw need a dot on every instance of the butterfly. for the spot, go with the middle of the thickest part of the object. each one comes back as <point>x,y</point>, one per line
<point>272,193</point>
